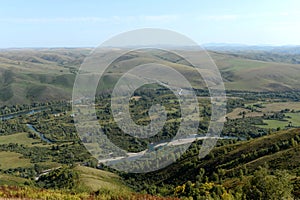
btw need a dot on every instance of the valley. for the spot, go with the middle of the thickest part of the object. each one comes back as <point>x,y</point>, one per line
<point>260,139</point>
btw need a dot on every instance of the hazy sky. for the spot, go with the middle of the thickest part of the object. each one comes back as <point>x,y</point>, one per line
<point>66,23</point>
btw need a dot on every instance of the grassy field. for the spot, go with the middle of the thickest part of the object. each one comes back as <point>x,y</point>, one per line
<point>294,118</point>
<point>236,113</point>
<point>20,138</point>
<point>267,108</point>
<point>99,179</point>
<point>6,179</point>
<point>278,106</point>
<point>13,160</point>
<point>274,124</point>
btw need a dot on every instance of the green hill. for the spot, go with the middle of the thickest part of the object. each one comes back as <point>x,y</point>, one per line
<point>254,75</point>
<point>280,150</point>
<point>37,74</point>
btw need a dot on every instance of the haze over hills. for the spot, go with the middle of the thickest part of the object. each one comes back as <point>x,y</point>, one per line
<point>291,49</point>
<point>40,74</point>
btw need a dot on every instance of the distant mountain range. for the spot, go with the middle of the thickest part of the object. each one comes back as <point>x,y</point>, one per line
<point>288,49</point>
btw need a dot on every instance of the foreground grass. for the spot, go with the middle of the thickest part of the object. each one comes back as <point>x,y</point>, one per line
<point>34,193</point>
<point>92,184</point>
<point>12,192</point>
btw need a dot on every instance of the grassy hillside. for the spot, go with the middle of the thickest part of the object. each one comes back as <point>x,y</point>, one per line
<point>40,74</point>
<point>255,75</point>
<point>6,179</point>
<point>101,180</point>
<point>92,184</point>
<point>278,151</point>
<point>13,160</point>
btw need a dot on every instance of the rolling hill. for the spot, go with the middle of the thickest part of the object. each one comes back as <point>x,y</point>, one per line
<point>38,74</point>
<point>279,150</point>
<point>48,74</point>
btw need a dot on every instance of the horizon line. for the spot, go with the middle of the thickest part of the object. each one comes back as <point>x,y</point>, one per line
<point>210,44</point>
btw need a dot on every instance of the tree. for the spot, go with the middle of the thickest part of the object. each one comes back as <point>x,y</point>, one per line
<point>265,186</point>
<point>59,178</point>
<point>200,175</point>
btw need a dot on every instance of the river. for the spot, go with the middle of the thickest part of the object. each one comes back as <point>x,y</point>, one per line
<point>27,112</point>
<point>42,136</point>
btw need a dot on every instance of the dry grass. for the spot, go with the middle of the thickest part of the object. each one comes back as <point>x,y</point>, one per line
<point>99,179</point>
<point>13,160</point>
<point>268,108</point>
<point>236,113</point>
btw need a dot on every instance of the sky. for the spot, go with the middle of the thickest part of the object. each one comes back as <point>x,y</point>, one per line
<point>84,23</point>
